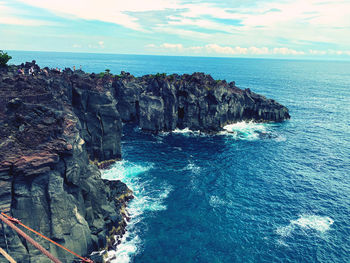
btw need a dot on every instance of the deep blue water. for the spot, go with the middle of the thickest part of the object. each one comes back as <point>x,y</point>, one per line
<point>268,193</point>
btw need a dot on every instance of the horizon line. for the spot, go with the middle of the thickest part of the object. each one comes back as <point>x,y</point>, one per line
<point>297,58</point>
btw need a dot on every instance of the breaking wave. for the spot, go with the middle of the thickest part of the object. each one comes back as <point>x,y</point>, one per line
<point>251,131</point>
<point>146,198</point>
<point>317,223</point>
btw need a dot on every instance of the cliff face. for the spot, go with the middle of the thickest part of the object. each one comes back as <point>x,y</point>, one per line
<point>56,128</point>
<point>197,101</point>
<point>47,178</point>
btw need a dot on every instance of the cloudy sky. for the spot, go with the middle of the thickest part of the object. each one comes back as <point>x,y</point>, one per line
<point>234,28</point>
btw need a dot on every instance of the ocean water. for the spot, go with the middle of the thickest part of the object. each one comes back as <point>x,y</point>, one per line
<point>252,193</point>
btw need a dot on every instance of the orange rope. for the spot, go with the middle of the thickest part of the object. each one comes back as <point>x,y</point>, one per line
<point>7,256</point>
<point>87,260</point>
<point>29,239</point>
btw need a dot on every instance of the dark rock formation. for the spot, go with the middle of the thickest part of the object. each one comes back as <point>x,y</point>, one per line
<point>97,112</point>
<point>47,180</point>
<point>57,127</point>
<point>197,101</point>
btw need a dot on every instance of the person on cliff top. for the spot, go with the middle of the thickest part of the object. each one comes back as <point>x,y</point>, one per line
<point>31,71</point>
<point>45,72</point>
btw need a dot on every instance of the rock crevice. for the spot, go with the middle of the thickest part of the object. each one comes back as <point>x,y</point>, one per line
<point>57,128</point>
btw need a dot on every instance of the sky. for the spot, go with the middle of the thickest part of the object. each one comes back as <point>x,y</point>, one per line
<point>226,28</point>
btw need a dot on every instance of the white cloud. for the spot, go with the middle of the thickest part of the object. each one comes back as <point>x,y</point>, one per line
<point>215,49</point>
<point>151,46</point>
<point>317,52</point>
<point>112,11</point>
<point>338,52</point>
<point>184,33</point>
<point>101,44</point>
<point>258,51</point>
<point>200,23</point>
<point>96,45</point>
<point>293,22</point>
<point>287,51</point>
<point>172,46</point>
<point>11,16</point>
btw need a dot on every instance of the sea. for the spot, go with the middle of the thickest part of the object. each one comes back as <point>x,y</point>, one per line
<point>277,192</point>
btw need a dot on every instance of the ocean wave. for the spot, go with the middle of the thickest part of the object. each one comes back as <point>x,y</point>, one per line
<point>193,168</point>
<point>146,198</point>
<point>125,171</point>
<point>127,248</point>
<point>216,201</point>
<point>187,132</point>
<point>317,223</point>
<point>251,131</point>
<point>184,131</point>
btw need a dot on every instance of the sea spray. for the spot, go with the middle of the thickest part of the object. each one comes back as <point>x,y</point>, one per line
<point>317,223</point>
<point>252,131</point>
<point>146,198</point>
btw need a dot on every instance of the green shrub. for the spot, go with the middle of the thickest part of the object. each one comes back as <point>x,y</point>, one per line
<point>4,58</point>
<point>160,75</point>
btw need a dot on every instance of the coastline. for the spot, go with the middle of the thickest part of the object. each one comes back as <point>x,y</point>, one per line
<point>59,126</point>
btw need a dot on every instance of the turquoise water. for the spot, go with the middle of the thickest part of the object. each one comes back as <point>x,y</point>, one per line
<point>253,193</point>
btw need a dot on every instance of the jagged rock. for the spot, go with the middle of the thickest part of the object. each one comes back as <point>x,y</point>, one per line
<point>101,123</point>
<point>55,127</point>
<point>46,178</point>
<point>197,101</point>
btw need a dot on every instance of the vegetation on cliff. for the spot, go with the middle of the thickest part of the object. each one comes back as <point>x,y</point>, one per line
<point>57,127</point>
<point>4,58</point>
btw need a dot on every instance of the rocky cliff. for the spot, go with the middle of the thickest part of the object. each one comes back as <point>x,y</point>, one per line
<point>56,128</point>
<point>53,129</point>
<point>197,101</point>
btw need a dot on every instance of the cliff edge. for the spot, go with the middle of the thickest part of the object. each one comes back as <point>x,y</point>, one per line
<point>57,128</point>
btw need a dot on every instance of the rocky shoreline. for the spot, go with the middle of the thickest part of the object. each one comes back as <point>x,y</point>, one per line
<point>58,128</point>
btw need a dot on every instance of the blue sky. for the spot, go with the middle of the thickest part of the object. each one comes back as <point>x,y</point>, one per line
<point>228,28</point>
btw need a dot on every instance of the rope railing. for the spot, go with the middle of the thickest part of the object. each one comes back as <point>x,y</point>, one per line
<point>7,256</point>
<point>10,222</point>
<point>29,239</point>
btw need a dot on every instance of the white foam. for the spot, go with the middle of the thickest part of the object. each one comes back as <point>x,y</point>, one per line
<point>193,168</point>
<point>187,132</point>
<point>126,249</point>
<point>245,130</point>
<point>146,198</point>
<point>125,171</point>
<point>320,224</point>
<point>216,201</point>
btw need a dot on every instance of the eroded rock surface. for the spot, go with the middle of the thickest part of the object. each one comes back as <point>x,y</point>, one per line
<point>57,127</point>
<point>47,176</point>
<point>197,101</point>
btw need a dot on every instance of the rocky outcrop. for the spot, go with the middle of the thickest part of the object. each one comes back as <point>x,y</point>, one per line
<point>197,101</point>
<point>98,115</point>
<point>57,128</point>
<point>47,179</point>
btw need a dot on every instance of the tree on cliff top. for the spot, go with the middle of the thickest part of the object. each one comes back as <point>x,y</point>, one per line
<point>4,58</point>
